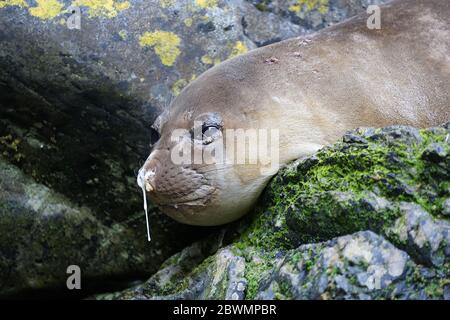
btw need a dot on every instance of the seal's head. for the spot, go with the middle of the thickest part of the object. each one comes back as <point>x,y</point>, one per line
<point>184,174</point>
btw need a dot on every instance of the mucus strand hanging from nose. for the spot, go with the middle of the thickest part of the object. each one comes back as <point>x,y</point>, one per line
<point>141,181</point>
<point>142,185</point>
<point>146,215</point>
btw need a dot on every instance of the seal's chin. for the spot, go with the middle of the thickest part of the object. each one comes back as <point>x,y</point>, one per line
<point>187,213</point>
<point>196,214</point>
<point>193,208</point>
<point>187,205</point>
<point>212,209</point>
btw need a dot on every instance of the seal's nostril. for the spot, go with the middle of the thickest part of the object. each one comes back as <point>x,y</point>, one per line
<point>148,187</point>
<point>150,174</point>
<point>145,179</point>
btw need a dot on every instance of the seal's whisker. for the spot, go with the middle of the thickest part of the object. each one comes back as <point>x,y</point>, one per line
<point>214,164</point>
<point>215,169</point>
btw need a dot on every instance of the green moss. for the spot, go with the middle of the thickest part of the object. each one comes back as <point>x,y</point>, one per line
<point>354,185</point>
<point>255,269</point>
<point>434,288</point>
<point>262,7</point>
<point>257,235</point>
<point>344,189</point>
<point>326,196</point>
<point>10,148</point>
<point>282,291</point>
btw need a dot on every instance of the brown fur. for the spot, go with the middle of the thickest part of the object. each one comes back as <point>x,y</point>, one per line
<point>313,89</point>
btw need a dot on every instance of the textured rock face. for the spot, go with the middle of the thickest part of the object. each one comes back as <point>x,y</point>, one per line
<point>315,14</point>
<point>362,219</point>
<point>42,232</point>
<point>75,110</point>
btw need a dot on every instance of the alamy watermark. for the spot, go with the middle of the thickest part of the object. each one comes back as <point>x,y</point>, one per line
<point>74,20</point>
<point>374,20</point>
<point>228,147</point>
<point>74,280</point>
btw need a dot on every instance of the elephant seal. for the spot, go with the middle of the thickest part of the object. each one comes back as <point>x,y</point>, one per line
<point>311,89</point>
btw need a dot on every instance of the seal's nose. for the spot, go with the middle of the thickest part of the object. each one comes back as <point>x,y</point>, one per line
<point>150,174</point>
<point>149,178</point>
<point>145,179</point>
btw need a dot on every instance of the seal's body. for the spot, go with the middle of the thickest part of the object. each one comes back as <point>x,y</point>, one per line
<point>312,89</point>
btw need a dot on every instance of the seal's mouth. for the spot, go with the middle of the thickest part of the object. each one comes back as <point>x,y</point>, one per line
<point>140,178</point>
<point>141,184</point>
<point>194,202</point>
<point>195,198</point>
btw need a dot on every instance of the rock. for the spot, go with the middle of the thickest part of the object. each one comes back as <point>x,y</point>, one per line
<point>43,232</point>
<point>436,152</point>
<point>354,221</point>
<point>422,236</point>
<point>359,266</point>
<point>353,186</point>
<point>183,277</point>
<point>344,268</point>
<point>446,207</point>
<point>315,14</point>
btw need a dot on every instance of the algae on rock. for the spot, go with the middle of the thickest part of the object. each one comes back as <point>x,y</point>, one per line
<point>361,219</point>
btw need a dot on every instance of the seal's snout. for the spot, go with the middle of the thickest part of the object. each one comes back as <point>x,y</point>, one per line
<point>149,178</point>
<point>146,179</point>
<point>140,178</point>
<point>148,173</point>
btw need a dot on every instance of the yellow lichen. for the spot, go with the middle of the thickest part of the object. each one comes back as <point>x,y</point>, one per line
<point>206,59</point>
<point>238,48</point>
<point>103,8</point>
<point>188,22</point>
<point>164,43</point>
<point>295,8</point>
<point>308,5</point>
<point>178,86</point>
<point>166,3</point>
<point>120,6</point>
<point>123,34</point>
<point>46,9</point>
<point>206,3</point>
<point>11,147</point>
<point>8,3</point>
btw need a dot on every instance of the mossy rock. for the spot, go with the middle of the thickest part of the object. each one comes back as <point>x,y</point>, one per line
<point>42,233</point>
<point>361,219</point>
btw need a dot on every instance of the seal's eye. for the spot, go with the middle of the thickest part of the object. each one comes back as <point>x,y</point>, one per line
<point>210,133</point>
<point>154,137</point>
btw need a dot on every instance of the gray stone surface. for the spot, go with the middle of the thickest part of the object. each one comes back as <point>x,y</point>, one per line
<point>43,232</point>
